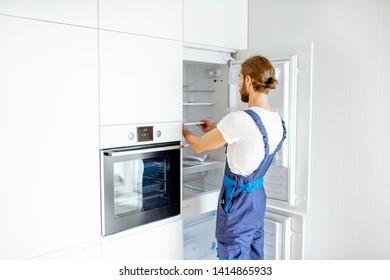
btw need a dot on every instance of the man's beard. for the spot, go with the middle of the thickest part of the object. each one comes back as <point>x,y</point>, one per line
<point>244,94</point>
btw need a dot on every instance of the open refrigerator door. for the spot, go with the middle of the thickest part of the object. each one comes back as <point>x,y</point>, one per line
<point>210,91</point>
<point>287,181</point>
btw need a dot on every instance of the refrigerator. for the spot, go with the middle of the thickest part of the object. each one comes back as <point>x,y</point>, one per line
<point>210,91</point>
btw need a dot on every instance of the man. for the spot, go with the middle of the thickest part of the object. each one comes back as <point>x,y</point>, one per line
<point>253,137</point>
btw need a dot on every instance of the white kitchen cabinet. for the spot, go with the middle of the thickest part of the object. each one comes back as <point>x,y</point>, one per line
<point>152,242</point>
<point>84,13</point>
<point>49,144</point>
<point>90,253</point>
<point>87,251</point>
<point>140,79</point>
<point>147,17</point>
<point>219,23</point>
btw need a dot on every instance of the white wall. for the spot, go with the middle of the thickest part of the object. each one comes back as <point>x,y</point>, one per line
<point>349,216</point>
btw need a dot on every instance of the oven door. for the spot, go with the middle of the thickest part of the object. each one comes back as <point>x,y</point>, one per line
<point>140,185</point>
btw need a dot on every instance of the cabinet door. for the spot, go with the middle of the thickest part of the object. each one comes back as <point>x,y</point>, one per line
<point>163,242</point>
<point>147,17</point>
<point>140,79</point>
<point>49,144</point>
<point>84,13</point>
<point>86,251</point>
<point>221,23</point>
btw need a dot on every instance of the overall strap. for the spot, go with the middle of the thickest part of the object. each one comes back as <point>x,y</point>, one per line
<point>263,131</point>
<point>284,137</point>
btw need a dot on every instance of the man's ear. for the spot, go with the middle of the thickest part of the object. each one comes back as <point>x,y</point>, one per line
<point>248,80</point>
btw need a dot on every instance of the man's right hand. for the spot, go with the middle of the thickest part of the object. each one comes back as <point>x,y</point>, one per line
<point>206,126</point>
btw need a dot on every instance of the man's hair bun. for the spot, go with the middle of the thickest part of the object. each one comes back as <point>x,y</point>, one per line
<point>271,83</point>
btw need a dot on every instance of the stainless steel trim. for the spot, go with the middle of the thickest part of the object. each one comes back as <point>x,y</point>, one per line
<point>132,152</point>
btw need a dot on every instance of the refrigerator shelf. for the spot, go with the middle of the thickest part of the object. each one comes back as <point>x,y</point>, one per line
<point>199,90</point>
<point>198,187</point>
<point>198,104</point>
<point>190,167</point>
<point>192,123</point>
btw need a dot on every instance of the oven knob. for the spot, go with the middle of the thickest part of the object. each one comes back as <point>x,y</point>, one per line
<point>158,133</point>
<point>131,136</point>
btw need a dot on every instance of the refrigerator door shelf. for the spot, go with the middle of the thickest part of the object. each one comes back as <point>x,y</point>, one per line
<point>277,236</point>
<point>275,182</point>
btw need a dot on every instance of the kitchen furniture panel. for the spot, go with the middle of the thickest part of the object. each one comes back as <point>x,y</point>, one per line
<point>84,13</point>
<point>160,242</point>
<point>87,251</point>
<point>91,253</point>
<point>140,79</point>
<point>220,23</point>
<point>148,17</point>
<point>49,166</point>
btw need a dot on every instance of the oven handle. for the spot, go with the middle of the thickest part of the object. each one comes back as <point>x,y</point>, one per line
<point>138,151</point>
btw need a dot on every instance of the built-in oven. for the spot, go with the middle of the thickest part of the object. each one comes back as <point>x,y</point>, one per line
<point>140,182</point>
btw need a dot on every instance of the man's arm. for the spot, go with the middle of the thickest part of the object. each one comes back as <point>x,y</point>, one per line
<point>209,141</point>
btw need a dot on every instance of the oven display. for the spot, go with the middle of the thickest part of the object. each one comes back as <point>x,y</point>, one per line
<point>145,133</point>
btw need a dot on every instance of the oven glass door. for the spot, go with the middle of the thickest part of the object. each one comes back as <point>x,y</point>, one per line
<point>141,185</point>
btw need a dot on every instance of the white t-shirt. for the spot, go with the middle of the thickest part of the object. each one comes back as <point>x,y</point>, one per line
<point>245,149</point>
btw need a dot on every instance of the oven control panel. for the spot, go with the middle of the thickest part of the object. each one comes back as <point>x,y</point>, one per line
<point>114,136</point>
<point>144,133</point>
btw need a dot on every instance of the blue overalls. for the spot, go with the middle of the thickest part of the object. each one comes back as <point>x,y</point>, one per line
<point>241,207</point>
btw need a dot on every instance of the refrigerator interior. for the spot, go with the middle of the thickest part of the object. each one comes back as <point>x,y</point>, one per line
<point>205,96</point>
